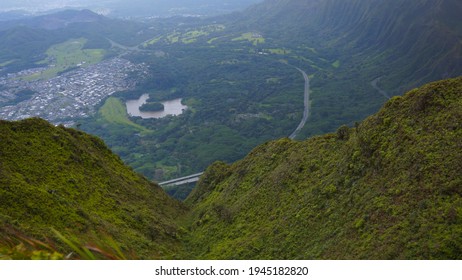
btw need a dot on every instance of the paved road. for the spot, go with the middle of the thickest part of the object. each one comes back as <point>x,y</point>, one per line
<point>306,110</point>
<point>381,91</point>
<point>126,48</point>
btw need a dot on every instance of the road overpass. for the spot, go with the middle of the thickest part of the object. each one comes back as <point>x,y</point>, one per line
<point>181,181</point>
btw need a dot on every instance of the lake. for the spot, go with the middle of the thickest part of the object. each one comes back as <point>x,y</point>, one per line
<point>171,107</point>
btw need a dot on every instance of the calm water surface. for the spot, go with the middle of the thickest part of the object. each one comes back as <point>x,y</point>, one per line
<point>171,107</point>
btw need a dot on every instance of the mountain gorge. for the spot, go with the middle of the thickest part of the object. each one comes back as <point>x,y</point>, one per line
<point>373,175</point>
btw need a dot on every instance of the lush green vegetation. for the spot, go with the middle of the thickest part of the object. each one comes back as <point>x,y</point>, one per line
<point>390,188</point>
<point>237,77</point>
<point>235,73</point>
<point>53,177</point>
<point>239,61</point>
<point>152,107</point>
<point>236,101</point>
<point>187,36</point>
<point>114,112</point>
<point>23,47</point>
<point>254,38</point>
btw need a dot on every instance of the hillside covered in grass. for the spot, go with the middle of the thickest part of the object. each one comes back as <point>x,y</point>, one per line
<point>62,179</point>
<point>389,188</point>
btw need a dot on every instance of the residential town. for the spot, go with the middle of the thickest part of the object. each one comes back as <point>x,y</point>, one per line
<point>71,95</point>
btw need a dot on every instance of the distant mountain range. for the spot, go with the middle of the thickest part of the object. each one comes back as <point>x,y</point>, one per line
<point>417,40</point>
<point>55,20</point>
<point>123,8</point>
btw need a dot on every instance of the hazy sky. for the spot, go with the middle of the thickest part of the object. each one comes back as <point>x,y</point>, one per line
<point>43,5</point>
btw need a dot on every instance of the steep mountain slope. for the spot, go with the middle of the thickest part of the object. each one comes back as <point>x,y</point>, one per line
<point>390,46</point>
<point>423,36</point>
<point>390,188</point>
<point>374,19</point>
<point>423,39</point>
<point>53,177</point>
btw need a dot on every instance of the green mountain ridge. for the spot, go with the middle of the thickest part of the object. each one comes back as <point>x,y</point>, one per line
<point>390,188</point>
<point>54,177</point>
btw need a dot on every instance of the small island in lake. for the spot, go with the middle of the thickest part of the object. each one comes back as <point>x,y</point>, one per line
<point>152,107</point>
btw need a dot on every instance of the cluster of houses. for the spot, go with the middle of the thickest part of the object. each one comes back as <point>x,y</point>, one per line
<point>71,95</point>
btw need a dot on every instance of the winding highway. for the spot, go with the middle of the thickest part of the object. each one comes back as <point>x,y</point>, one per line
<point>306,110</point>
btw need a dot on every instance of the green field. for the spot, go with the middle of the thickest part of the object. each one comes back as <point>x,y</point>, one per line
<point>252,37</point>
<point>114,111</point>
<point>191,36</point>
<point>3,64</point>
<point>187,37</point>
<point>336,64</point>
<point>278,51</point>
<point>152,41</point>
<point>67,55</point>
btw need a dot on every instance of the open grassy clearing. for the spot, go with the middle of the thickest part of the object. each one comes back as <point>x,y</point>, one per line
<point>152,41</point>
<point>336,64</point>
<point>6,63</point>
<point>114,111</point>
<point>191,36</point>
<point>67,55</point>
<point>254,38</point>
<point>188,36</point>
<point>278,51</point>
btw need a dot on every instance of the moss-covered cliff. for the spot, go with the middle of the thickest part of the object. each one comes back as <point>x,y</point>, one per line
<point>53,177</point>
<point>390,188</point>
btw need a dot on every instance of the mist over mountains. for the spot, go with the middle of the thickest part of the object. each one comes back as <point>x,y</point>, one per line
<point>125,8</point>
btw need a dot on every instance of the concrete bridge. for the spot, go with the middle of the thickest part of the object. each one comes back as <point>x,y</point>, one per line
<point>181,181</point>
